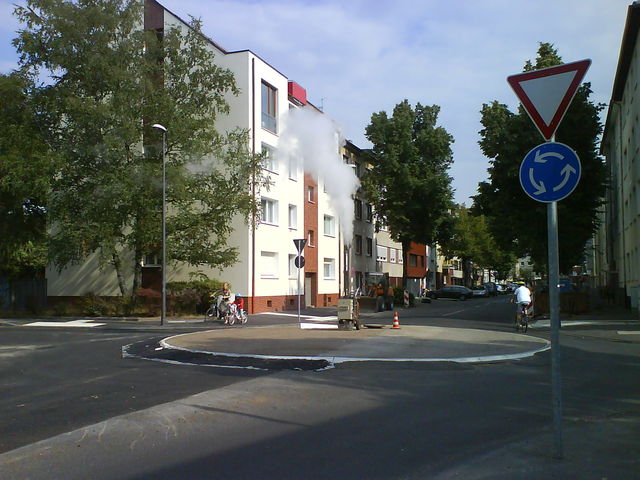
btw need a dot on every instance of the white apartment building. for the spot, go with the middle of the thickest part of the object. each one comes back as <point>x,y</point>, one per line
<point>293,208</point>
<point>360,260</point>
<point>616,248</point>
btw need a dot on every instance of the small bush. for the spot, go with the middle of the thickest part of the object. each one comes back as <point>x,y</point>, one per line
<point>150,300</point>
<point>193,296</point>
<point>94,306</point>
<point>65,309</point>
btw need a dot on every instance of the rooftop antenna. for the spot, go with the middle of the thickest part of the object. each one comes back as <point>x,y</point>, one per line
<point>322,104</point>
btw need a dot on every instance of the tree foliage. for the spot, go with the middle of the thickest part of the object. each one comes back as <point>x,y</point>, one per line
<point>518,223</point>
<point>109,80</point>
<point>408,183</point>
<point>26,167</point>
<point>471,241</point>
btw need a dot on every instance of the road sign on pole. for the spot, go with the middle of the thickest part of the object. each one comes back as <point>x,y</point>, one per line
<point>300,243</point>
<point>546,94</point>
<point>550,172</point>
<point>299,263</point>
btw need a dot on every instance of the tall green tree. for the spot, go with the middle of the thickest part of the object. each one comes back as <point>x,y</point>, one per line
<point>408,183</point>
<point>109,80</point>
<point>26,168</point>
<point>518,223</point>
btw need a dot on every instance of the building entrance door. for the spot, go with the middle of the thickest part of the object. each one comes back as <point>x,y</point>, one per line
<point>310,289</point>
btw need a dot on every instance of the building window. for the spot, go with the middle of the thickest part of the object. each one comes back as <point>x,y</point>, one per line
<point>369,212</point>
<point>311,192</point>
<point>293,217</point>
<point>310,239</point>
<point>293,270</point>
<point>269,108</point>
<point>152,260</point>
<point>329,226</point>
<point>413,260</point>
<point>269,211</point>
<point>269,264</point>
<point>382,253</point>
<point>293,169</point>
<point>392,255</point>
<point>369,246</point>
<point>358,209</point>
<point>400,257</point>
<point>329,268</point>
<point>358,244</point>
<point>270,161</point>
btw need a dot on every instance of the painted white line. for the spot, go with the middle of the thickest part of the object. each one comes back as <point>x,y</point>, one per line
<point>318,326</point>
<point>453,313</point>
<point>72,323</point>
<point>622,332</point>
<point>581,323</point>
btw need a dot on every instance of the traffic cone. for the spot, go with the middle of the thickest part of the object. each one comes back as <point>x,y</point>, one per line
<point>396,323</point>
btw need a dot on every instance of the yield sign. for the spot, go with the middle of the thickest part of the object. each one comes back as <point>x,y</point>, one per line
<point>546,94</point>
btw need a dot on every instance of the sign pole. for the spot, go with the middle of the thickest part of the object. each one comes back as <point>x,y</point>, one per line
<point>298,296</point>
<point>299,263</point>
<point>554,313</point>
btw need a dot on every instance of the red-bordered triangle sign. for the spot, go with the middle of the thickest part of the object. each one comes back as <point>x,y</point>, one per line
<point>546,94</point>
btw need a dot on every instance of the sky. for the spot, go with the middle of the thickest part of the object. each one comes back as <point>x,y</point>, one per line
<point>358,57</point>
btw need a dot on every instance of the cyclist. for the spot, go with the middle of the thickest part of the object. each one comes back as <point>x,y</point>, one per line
<point>522,298</point>
<point>225,299</point>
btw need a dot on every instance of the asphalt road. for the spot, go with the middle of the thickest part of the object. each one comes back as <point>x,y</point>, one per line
<point>365,421</point>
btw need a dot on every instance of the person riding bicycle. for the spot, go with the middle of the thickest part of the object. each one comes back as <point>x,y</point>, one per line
<point>225,299</point>
<point>522,297</point>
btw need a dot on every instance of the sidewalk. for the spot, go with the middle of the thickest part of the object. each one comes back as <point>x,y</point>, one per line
<point>594,449</point>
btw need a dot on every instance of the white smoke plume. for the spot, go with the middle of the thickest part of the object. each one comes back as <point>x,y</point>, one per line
<point>314,141</point>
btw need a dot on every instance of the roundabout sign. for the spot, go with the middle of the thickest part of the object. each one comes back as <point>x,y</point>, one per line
<point>550,172</point>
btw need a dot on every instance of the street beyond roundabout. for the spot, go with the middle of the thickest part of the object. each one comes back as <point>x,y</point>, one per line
<point>288,346</point>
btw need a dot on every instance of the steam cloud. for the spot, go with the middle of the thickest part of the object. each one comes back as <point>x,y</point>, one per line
<point>314,141</point>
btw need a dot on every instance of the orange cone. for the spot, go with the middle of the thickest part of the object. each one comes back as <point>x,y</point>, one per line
<point>396,323</point>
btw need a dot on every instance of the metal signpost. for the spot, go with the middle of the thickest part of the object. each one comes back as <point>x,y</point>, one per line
<point>549,173</point>
<point>299,263</point>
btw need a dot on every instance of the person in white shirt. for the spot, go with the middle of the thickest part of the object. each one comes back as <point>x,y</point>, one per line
<point>521,297</point>
<point>225,300</point>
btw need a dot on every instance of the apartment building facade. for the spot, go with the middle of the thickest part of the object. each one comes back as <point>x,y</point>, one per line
<point>360,262</point>
<point>616,247</point>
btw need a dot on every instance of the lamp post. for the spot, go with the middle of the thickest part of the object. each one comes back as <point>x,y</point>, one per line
<point>163,308</point>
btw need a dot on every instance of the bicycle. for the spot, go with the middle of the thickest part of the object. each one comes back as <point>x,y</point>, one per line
<point>230,312</point>
<point>522,317</point>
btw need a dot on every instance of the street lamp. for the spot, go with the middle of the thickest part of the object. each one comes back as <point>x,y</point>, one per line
<point>163,308</point>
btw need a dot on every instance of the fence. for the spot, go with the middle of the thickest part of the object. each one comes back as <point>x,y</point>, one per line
<point>23,294</point>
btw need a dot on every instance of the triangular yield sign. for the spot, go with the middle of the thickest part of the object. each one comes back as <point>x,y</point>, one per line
<point>300,243</point>
<point>546,94</point>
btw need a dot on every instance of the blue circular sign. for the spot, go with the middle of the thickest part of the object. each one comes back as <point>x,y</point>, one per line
<point>550,172</point>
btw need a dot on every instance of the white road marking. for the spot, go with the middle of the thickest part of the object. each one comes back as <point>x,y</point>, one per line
<point>72,323</point>
<point>318,326</point>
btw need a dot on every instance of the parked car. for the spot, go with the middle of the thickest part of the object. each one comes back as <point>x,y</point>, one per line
<point>480,291</point>
<point>491,288</point>
<point>452,291</point>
